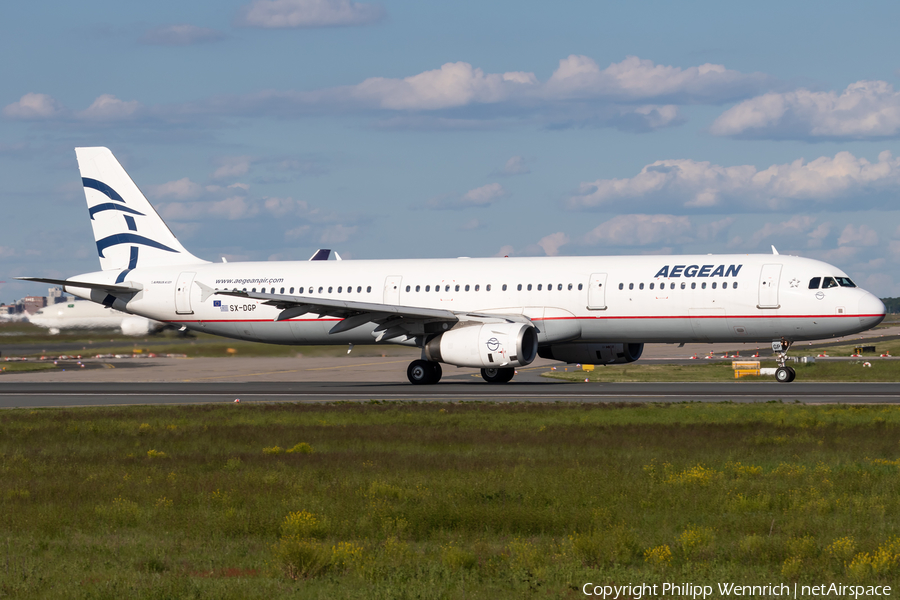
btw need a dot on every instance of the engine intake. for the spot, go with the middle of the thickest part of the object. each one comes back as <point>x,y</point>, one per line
<point>489,345</point>
<point>593,354</point>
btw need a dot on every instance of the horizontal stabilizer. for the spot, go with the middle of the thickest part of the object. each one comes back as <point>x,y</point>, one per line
<point>109,287</point>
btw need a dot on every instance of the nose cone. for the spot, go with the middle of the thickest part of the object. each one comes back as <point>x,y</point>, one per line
<point>871,311</point>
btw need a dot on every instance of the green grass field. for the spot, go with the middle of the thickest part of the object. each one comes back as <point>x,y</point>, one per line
<point>442,500</point>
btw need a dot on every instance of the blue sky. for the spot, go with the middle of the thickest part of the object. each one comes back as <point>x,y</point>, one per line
<point>264,129</point>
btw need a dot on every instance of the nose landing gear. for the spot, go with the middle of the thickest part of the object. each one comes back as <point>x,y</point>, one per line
<point>783,374</point>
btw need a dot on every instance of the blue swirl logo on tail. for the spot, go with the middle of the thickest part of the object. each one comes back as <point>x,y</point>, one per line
<point>129,238</point>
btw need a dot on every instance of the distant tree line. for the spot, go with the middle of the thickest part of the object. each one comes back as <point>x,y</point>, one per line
<point>892,304</point>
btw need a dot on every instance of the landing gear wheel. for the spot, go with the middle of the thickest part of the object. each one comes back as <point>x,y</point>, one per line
<point>784,374</point>
<point>498,375</point>
<point>780,348</point>
<point>423,372</point>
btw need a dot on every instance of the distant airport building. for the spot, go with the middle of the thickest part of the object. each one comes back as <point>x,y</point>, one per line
<point>32,304</point>
<point>56,296</point>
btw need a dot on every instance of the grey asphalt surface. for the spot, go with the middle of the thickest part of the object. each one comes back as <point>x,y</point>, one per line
<point>35,395</point>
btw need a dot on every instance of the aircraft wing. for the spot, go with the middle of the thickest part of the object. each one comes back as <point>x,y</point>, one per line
<point>393,321</point>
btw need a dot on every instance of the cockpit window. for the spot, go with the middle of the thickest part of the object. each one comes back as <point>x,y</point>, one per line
<point>829,282</point>
<point>814,283</point>
<point>845,282</point>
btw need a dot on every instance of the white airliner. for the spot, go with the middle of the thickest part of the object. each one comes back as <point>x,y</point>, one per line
<point>87,315</point>
<point>495,314</point>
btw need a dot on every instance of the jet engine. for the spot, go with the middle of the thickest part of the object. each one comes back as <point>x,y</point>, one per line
<point>593,354</point>
<point>488,345</point>
<point>136,326</point>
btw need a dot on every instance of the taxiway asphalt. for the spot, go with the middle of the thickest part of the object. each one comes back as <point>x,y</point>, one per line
<point>36,395</point>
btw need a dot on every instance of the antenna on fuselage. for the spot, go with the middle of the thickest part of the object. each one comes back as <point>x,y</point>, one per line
<point>774,251</point>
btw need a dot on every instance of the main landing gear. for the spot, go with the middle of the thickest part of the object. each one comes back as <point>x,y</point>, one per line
<point>424,372</point>
<point>783,374</point>
<point>498,375</point>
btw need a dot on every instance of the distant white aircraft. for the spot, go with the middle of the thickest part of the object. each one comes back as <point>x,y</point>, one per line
<point>495,314</point>
<point>89,315</point>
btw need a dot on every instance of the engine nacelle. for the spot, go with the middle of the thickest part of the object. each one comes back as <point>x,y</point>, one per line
<point>593,354</point>
<point>136,326</point>
<point>489,345</point>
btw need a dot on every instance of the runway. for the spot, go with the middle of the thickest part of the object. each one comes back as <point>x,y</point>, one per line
<point>37,395</point>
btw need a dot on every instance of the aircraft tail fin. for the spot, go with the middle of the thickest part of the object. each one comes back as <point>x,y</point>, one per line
<point>128,231</point>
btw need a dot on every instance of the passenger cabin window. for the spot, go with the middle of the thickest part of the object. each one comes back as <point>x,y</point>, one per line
<point>368,289</point>
<point>503,289</point>
<point>292,291</point>
<point>814,283</point>
<point>651,286</point>
<point>621,286</point>
<point>640,286</point>
<point>447,288</point>
<point>682,285</point>
<point>713,285</point>
<point>734,285</point>
<point>559,287</point>
<point>282,291</point>
<point>477,287</point>
<point>253,290</point>
<point>358,289</point>
<point>329,289</point>
<point>487,288</point>
<point>570,287</point>
<point>519,287</point>
<point>457,288</point>
<point>829,282</point>
<point>630,286</point>
<point>529,287</point>
<point>320,289</point>
<point>579,287</point>
<point>427,288</point>
<point>417,288</point>
<point>407,288</point>
<point>539,287</point>
<point>693,285</point>
<point>703,285</point>
<point>724,285</point>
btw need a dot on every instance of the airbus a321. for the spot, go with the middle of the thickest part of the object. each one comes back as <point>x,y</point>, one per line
<point>494,314</point>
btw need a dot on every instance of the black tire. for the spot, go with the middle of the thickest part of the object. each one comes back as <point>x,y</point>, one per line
<point>423,372</point>
<point>792,372</point>
<point>783,375</point>
<point>418,372</point>
<point>436,371</point>
<point>498,375</point>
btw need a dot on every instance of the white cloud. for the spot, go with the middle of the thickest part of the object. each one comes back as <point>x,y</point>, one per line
<point>514,166</point>
<point>639,230</point>
<point>862,235</point>
<point>552,243</point>
<point>484,195</point>
<point>864,110</point>
<point>797,226</point>
<point>636,79</point>
<point>181,35</point>
<point>453,85</point>
<point>109,108</point>
<point>231,209</point>
<point>281,207</point>
<point>34,106</point>
<point>232,166</point>
<point>480,196</point>
<point>274,14</point>
<point>693,184</point>
<point>633,95</point>
<point>183,189</point>
<point>336,234</point>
